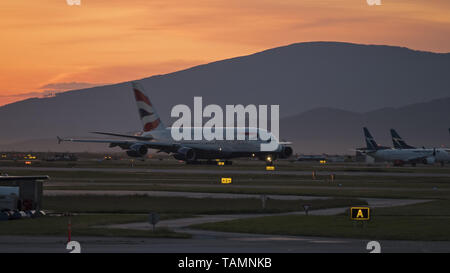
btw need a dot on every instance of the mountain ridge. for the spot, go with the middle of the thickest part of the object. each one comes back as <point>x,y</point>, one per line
<point>298,77</point>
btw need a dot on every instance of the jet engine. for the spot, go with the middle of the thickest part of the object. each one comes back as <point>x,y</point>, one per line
<point>286,152</point>
<point>137,150</point>
<point>185,154</point>
<point>429,160</point>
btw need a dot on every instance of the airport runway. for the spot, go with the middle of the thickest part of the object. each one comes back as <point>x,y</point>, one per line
<point>276,186</point>
<point>207,242</point>
<point>224,171</point>
<point>373,202</point>
<point>217,242</point>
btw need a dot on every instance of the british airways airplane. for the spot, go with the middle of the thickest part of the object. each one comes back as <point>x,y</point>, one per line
<point>156,136</point>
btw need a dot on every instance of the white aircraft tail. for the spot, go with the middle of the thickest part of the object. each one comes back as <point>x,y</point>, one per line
<point>147,112</point>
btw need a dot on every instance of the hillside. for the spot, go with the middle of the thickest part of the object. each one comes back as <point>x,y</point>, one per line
<point>300,78</point>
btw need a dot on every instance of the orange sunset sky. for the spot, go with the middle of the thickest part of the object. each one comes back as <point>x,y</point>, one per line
<point>49,45</point>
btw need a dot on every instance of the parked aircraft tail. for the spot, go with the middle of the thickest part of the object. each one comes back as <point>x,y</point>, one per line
<point>370,141</point>
<point>398,142</point>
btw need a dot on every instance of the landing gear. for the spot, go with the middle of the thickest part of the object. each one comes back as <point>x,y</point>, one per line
<point>208,162</point>
<point>192,162</point>
<point>398,163</point>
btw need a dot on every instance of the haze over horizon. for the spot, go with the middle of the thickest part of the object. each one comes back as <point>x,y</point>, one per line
<point>326,92</point>
<point>49,46</point>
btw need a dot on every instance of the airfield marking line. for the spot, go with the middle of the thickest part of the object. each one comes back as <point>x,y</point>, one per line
<point>178,194</point>
<point>205,242</point>
<point>222,171</point>
<point>252,237</point>
<point>374,202</point>
<point>299,186</point>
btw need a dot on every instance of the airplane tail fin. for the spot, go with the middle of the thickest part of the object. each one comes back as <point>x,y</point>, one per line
<point>370,141</point>
<point>147,112</point>
<point>398,142</point>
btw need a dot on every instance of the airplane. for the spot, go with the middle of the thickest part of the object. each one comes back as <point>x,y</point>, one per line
<point>442,155</point>
<point>156,136</point>
<point>403,156</point>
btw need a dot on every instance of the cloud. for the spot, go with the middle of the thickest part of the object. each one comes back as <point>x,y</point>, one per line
<point>121,73</point>
<point>64,86</point>
<point>49,89</point>
<point>23,95</point>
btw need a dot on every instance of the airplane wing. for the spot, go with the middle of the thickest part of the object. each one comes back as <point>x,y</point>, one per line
<point>126,144</point>
<point>121,135</point>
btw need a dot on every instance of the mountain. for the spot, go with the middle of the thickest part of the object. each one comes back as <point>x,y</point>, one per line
<point>299,77</point>
<point>323,130</point>
<point>330,130</point>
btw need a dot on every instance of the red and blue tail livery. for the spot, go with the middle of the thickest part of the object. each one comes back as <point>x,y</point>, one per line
<point>149,118</point>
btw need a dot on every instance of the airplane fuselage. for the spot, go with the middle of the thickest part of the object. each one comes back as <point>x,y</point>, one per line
<point>223,148</point>
<point>412,155</point>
